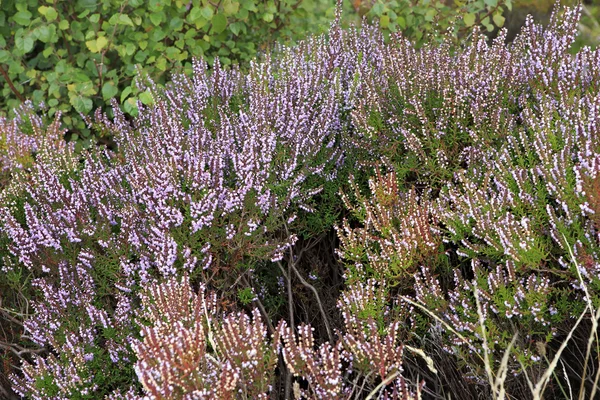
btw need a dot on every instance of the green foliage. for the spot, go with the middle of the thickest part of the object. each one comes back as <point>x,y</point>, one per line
<point>590,28</point>
<point>75,56</point>
<point>422,18</point>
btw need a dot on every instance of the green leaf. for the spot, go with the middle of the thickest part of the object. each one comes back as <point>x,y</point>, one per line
<point>42,33</point>
<point>268,17</point>
<point>378,9</point>
<point>236,27</point>
<point>172,52</point>
<point>175,24</point>
<point>24,43</point>
<point>48,12</point>
<point>498,20</point>
<point>63,25</point>
<point>109,90</point>
<point>231,7</point>
<point>219,23</point>
<point>146,98</point>
<point>130,106</point>
<point>4,56</point>
<point>91,44</point>
<point>156,18</point>
<point>491,3</point>
<point>430,14</point>
<point>81,104</point>
<point>125,20</point>
<point>126,92</point>
<point>194,15</point>
<point>469,19</point>
<point>22,18</point>
<point>51,14</point>
<point>207,13</point>
<point>384,21</point>
<point>101,43</point>
<point>401,22</point>
<point>130,48</point>
<point>249,5</point>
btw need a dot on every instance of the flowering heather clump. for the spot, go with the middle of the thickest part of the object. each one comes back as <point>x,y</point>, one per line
<point>398,231</point>
<point>511,187</point>
<point>476,235</point>
<point>206,181</point>
<point>422,108</point>
<point>367,359</point>
<point>187,351</point>
<point>25,138</point>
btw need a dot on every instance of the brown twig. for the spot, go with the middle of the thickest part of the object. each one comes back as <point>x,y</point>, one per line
<point>11,85</point>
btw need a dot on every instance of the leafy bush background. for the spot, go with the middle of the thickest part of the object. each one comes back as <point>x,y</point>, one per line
<point>76,55</point>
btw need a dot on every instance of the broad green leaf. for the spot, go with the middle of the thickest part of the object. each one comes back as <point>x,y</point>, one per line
<point>125,20</point>
<point>63,25</point>
<point>51,14</point>
<point>384,21</point>
<point>219,23</point>
<point>172,52</point>
<point>469,19</point>
<point>249,5</point>
<point>109,90</point>
<point>195,14</point>
<point>146,98</point>
<point>91,44</point>
<point>207,13</point>
<point>378,9</point>
<point>81,104</point>
<point>156,18</point>
<point>175,24</point>
<point>268,17</point>
<point>430,14</point>
<point>101,43</point>
<point>24,43</point>
<point>236,27</point>
<point>401,22</point>
<point>4,56</point>
<point>130,106</point>
<point>161,64</point>
<point>22,18</point>
<point>126,92</point>
<point>498,20</point>
<point>231,7</point>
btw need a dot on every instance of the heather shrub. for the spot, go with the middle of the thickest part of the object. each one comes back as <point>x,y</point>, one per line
<point>499,161</point>
<point>431,104</point>
<point>208,356</point>
<point>193,260</point>
<point>208,180</point>
<point>189,350</point>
